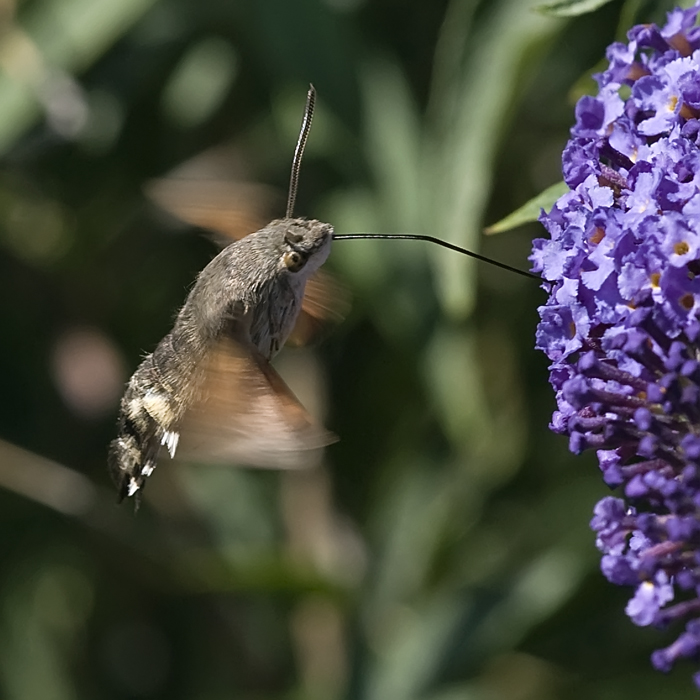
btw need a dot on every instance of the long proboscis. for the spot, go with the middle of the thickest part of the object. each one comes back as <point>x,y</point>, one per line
<point>299,150</point>
<point>440,242</point>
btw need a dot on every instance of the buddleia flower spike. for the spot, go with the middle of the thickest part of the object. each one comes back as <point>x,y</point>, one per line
<point>621,324</point>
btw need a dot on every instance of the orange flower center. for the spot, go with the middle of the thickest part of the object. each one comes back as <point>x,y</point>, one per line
<point>681,248</point>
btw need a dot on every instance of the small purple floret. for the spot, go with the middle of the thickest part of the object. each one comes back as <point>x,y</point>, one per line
<point>622,322</point>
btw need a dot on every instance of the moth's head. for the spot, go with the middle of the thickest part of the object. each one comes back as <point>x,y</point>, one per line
<point>304,245</point>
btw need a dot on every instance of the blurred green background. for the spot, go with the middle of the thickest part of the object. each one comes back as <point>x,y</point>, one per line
<point>442,550</point>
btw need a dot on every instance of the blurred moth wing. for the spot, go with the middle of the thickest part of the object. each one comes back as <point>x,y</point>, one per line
<point>227,208</point>
<point>232,210</point>
<point>244,413</point>
<point>325,301</point>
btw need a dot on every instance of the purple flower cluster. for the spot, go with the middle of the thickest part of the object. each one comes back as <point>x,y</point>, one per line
<point>621,325</point>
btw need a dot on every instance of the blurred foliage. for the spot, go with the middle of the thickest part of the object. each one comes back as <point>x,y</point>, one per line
<point>442,551</point>
<point>570,8</point>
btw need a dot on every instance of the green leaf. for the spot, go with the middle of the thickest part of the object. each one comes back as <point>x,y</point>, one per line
<point>530,211</point>
<point>570,8</point>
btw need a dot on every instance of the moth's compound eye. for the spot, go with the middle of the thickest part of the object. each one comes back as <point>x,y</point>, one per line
<point>294,260</point>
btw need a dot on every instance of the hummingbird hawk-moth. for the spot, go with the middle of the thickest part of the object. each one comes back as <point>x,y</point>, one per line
<point>208,390</point>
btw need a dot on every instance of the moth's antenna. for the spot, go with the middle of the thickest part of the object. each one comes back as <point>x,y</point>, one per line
<point>438,241</point>
<point>299,150</point>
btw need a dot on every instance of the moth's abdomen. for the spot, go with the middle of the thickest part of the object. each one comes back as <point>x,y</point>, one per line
<point>148,414</point>
<point>132,457</point>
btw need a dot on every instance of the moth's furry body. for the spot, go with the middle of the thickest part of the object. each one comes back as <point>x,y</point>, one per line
<point>248,297</point>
